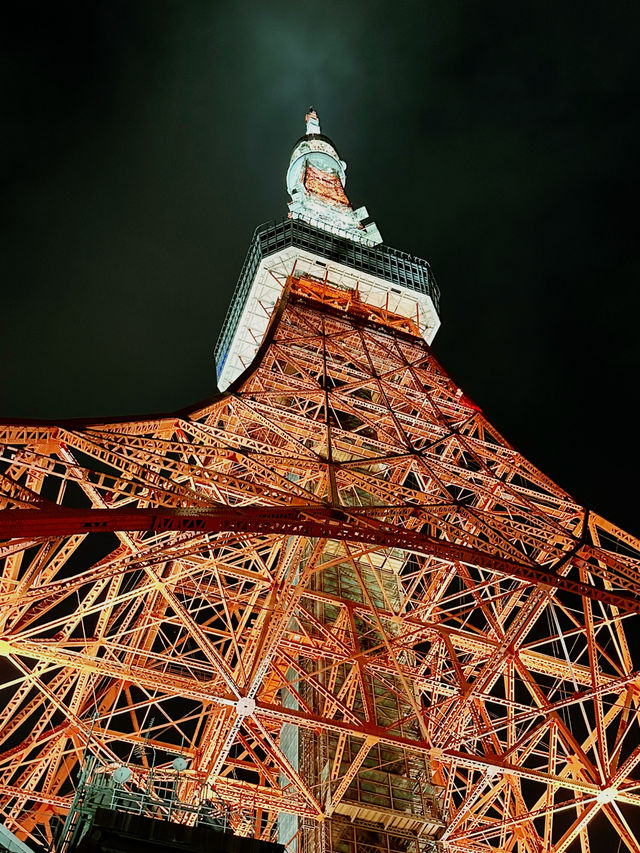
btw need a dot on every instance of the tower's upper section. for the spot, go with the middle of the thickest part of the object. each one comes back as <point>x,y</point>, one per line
<point>316,179</point>
<point>322,251</point>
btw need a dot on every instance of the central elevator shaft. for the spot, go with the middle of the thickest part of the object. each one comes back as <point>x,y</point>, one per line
<point>376,795</point>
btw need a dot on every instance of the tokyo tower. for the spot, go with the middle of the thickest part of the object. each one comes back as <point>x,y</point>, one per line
<point>332,602</point>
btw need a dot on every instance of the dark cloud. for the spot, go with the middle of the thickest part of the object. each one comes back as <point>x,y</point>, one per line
<point>143,142</point>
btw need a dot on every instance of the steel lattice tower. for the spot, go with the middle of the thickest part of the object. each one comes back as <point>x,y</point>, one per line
<point>362,617</point>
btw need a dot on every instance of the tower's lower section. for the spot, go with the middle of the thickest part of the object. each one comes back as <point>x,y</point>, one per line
<point>359,618</point>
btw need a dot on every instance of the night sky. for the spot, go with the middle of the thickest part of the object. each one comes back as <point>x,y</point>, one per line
<point>144,141</point>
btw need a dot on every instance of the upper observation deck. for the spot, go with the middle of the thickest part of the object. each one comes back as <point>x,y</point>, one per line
<point>383,276</point>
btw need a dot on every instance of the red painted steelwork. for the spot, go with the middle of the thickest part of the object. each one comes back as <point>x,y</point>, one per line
<point>353,525</point>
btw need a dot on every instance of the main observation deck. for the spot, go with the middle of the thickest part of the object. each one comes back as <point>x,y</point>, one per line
<point>383,276</point>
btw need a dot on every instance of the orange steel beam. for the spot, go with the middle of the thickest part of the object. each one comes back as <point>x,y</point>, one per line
<point>323,522</point>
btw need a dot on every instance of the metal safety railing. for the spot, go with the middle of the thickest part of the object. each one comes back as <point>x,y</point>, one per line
<point>160,799</point>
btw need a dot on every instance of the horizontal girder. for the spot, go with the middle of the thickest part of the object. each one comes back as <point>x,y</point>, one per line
<point>322,522</point>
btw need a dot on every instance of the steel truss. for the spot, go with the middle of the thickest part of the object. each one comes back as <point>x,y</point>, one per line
<point>338,592</point>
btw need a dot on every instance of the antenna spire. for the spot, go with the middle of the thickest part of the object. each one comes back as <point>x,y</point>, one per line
<point>316,179</point>
<point>313,122</point>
